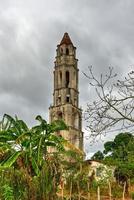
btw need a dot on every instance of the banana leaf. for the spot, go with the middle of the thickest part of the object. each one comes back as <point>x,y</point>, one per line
<point>10,161</point>
<point>35,167</point>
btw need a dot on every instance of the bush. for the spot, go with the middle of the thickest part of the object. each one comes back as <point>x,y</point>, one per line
<point>116,191</point>
<point>7,192</point>
<point>132,195</point>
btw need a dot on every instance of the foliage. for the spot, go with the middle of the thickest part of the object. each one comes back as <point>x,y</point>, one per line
<point>7,192</point>
<point>29,171</point>
<point>120,153</point>
<point>121,148</point>
<point>116,190</point>
<point>25,158</point>
<point>98,156</point>
<point>26,145</point>
<point>132,195</point>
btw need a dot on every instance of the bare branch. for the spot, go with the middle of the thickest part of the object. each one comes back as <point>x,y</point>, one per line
<point>114,105</point>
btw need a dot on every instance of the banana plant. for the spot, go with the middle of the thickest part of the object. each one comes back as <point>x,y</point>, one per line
<point>28,145</point>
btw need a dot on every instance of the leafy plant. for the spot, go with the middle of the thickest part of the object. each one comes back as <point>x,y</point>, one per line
<point>132,195</point>
<point>25,150</point>
<point>7,192</point>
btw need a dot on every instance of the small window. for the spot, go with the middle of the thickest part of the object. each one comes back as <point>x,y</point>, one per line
<point>59,99</point>
<point>59,134</point>
<point>75,101</point>
<point>67,78</point>
<point>59,115</point>
<point>67,51</point>
<point>67,99</point>
<point>60,77</point>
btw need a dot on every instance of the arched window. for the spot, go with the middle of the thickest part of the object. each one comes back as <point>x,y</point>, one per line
<point>59,99</point>
<point>67,51</point>
<point>60,77</point>
<point>68,98</point>
<point>67,78</point>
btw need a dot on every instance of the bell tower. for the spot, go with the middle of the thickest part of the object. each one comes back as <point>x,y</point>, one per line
<point>66,95</point>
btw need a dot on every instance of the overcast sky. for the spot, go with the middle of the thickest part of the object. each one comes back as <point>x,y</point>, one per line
<point>102,31</point>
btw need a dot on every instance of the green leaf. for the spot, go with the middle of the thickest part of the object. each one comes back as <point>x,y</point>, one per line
<point>35,167</point>
<point>10,161</point>
<point>10,120</point>
<point>50,144</point>
<point>22,125</point>
<point>22,137</point>
<point>39,150</point>
<point>40,119</point>
<point>58,125</point>
<point>6,136</point>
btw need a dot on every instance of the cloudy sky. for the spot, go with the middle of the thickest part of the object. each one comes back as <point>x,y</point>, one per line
<point>102,31</point>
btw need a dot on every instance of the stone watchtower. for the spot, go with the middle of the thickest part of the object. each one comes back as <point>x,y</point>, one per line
<point>66,96</point>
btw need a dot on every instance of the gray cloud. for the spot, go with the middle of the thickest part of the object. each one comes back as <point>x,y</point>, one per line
<point>102,31</point>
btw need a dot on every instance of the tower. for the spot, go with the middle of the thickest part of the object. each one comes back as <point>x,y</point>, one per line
<point>66,96</point>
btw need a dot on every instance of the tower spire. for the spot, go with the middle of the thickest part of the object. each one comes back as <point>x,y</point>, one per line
<point>66,39</point>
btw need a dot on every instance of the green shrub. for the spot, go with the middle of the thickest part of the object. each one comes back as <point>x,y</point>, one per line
<point>132,195</point>
<point>7,192</point>
<point>116,191</point>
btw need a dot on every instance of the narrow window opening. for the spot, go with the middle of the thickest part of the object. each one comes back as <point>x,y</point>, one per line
<point>60,77</point>
<point>67,51</point>
<point>75,101</point>
<point>60,115</point>
<point>59,134</point>
<point>59,99</point>
<point>67,78</point>
<point>67,99</point>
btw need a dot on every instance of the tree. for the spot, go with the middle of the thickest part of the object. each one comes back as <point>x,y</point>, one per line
<point>121,148</point>
<point>28,144</point>
<point>119,152</point>
<point>98,156</point>
<point>25,149</point>
<point>114,104</point>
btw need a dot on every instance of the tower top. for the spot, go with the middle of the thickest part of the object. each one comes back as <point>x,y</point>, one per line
<point>66,39</point>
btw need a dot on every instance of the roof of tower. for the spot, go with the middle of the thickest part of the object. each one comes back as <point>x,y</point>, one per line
<point>66,39</point>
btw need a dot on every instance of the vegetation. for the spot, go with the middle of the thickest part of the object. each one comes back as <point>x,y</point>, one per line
<point>113,110</point>
<point>25,160</point>
<point>98,156</point>
<point>120,154</point>
<point>29,171</point>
